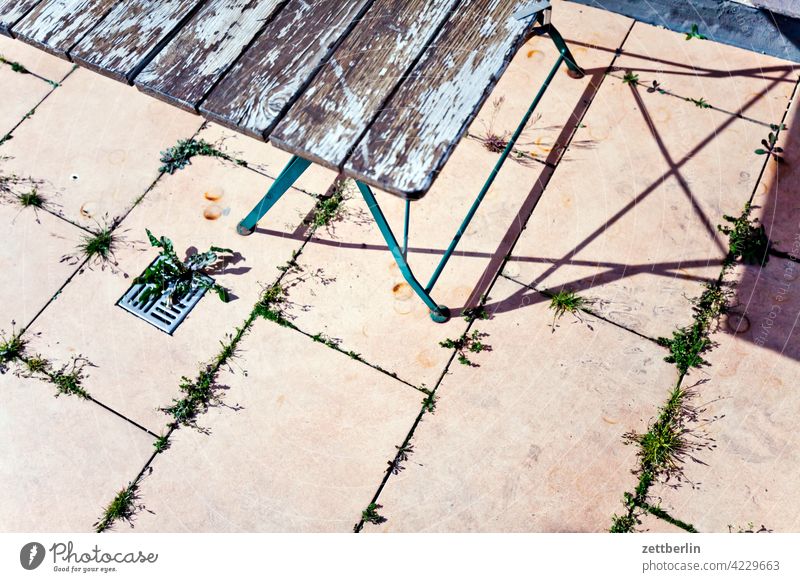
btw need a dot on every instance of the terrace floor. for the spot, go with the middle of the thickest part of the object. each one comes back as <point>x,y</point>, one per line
<point>615,194</point>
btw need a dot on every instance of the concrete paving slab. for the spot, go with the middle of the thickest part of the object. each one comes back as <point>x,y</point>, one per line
<point>33,245</point>
<point>36,61</point>
<point>300,444</point>
<point>20,94</point>
<point>68,458</point>
<point>98,143</point>
<point>530,440</point>
<point>631,222</point>
<point>138,367</point>
<point>736,80</point>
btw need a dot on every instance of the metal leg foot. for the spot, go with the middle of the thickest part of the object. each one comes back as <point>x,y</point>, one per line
<point>283,182</point>
<point>243,230</point>
<point>442,315</point>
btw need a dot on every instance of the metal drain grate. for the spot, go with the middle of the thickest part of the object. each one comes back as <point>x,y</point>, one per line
<point>159,312</point>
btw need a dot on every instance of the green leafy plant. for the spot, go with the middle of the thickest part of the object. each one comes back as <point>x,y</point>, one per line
<point>329,209</point>
<point>701,103</point>
<point>122,507</point>
<point>623,524</point>
<point>68,379</point>
<point>16,67</point>
<point>686,347</point>
<point>655,87</point>
<point>371,515</point>
<point>175,278</point>
<point>11,349</point>
<point>695,33</point>
<point>770,144</point>
<point>161,444</point>
<point>270,305</point>
<point>471,343</point>
<point>429,402</point>
<point>746,238</point>
<point>180,155</point>
<point>630,78</point>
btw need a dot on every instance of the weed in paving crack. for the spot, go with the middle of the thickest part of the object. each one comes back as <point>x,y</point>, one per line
<point>695,33</point>
<point>371,515</point>
<point>161,444</point>
<point>770,144</point>
<point>180,155</point>
<point>68,379</point>
<point>271,305</point>
<point>701,103</point>
<point>623,523</point>
<point>630,78</point>
<point>566,301</point>
<point>330,209</point>
<point>15,66</point>
<point>429,403</point>
<point>122,507</point>
<point>31,199</point>
<point>655,87</point>
<point>747,240</point>
<point>403,452</point>
<point>11,349</point>
<point>471,343</point>
<point>688,344</point>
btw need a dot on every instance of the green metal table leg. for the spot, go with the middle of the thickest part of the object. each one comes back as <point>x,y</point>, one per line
<point>572,66</point>
<point>286,178</point>
<point>439,313</point>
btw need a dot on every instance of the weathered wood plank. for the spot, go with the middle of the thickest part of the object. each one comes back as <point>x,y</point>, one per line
<point>11,11</point>
<point>279,64</point>
<point>189,66</point>
<point>346,95</point>
<point>57,25</point>
<point>416,132</point>
<point>131,35</point>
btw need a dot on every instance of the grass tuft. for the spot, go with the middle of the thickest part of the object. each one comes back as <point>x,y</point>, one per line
<point>630,78</point>
<point>329,209</point>
<point>122,507</point>
<point>100,245</point>
<point>180,155</point>
<point>31,199</point>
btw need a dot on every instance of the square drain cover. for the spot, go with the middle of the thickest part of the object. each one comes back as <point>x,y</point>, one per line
<point>158,311</point>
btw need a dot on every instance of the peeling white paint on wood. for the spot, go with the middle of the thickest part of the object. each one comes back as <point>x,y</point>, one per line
<point>415,134</point>
<point>119,44</point>
<point>12,10</point>
<point>195,59</point>
<point>276,67</point>
<point>57,25</point>
<point>327,120</point>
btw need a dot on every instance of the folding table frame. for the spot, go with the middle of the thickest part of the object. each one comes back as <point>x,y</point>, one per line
<point>297,165</point>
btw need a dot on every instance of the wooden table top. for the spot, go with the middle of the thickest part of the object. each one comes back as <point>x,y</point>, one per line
<point>381,90</point>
